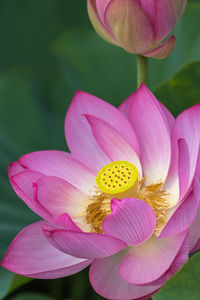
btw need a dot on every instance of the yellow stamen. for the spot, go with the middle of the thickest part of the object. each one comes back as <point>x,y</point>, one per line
<point>154,195</point>
<point>117,177</point>
<point>120,179</point>
<point>97,210</point>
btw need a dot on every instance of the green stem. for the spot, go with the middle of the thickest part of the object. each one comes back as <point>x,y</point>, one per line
<point>142,70</point>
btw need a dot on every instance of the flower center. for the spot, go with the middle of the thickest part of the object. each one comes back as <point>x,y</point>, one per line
<point>117,177</point>
<point>120,179</point>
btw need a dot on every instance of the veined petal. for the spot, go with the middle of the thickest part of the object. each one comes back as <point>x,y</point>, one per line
<point>168,116</point>
<point>149,7</point>
<point>97,23</point>
<point>112,143</point>
<point>196,247</point>
<point>64,221</point>
<point>188,205</point>
<point>179,173</point>
<point>14,168</point>
<point>60,164</point>
<point>101,7</point>
<point>130,26</point>
<point>31,255</point>
<point>131,220</point>
<point>106,281</point>
<point>183,167</point>
<point>83,245</point>
<point>186,127</point>
<point>163,50</point>
<point>163,15</point>
<point>195,230</point>
<point>59,197</point>
<point>125,108</point>
<point>149,261</point>
<point>22,184</point>
<point>180,259</point>
<point>184,214</point>
<point>195,226</point>
<point>79,135</point>
<point>152,130</point>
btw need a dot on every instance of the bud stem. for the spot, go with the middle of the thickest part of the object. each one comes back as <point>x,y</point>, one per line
<point>142,70</point>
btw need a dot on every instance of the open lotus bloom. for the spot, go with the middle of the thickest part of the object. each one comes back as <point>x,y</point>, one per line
<point>137,26</point>
<point>125,200</point>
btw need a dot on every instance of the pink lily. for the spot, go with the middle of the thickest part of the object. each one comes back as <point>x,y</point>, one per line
<point>138,26</point>
<point>135,231</point>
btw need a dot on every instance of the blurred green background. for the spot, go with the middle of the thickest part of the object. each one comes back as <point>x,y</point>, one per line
<point>49,50</point>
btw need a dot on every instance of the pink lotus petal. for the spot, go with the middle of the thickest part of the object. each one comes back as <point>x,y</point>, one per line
<point>125,108</point>
<point>83,245</point>
<point>59,197</point>
<point>186,127</point>
<point>183,167</point>
<point>132,221</point>
<point>147,262</point>
<point>79,135</point>
<point>180,259</point>
<point>64,222</point>
<point>168,14</point>
<point>196,247</point>
<point>112,143</point>
<point>30,254</point>
<point>195,227</point>
<point>179,173</point>
<point>14,168</point>
<point>184,214</point>
<point>97,23</point>
<point>169,117</point>
<point>151,126</point>
<point>172,184</point>
<point>163,50</point>
<point>22,184</point>
<point>60,164</point>
<point>129,25</point>
<point>163,15</point>
<point>105,280</point>
<point>149,7</point>
<point>101,7</point>
<point>195,230</point>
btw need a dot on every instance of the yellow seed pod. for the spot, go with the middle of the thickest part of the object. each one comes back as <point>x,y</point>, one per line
<point>117,177</point>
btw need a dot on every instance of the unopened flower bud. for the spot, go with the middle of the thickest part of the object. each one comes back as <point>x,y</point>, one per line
<point>138,26</point>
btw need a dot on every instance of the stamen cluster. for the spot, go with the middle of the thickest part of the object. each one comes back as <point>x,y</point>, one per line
<point>154,195</point>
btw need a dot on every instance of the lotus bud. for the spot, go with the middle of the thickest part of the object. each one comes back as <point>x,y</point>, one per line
<point>138,26</point>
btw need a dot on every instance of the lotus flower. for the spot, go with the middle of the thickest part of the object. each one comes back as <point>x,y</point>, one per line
<point>125,201</point>
<point>138,26</point>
